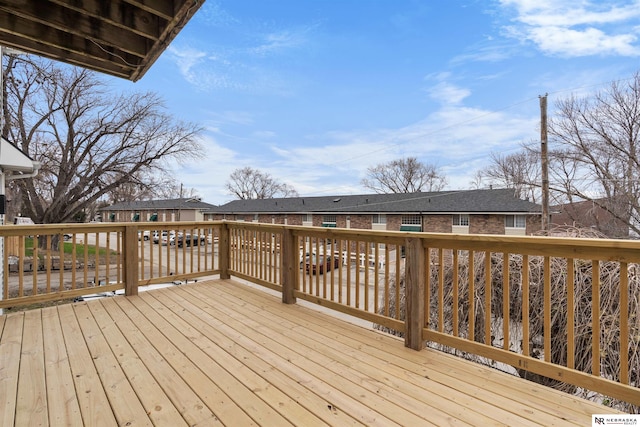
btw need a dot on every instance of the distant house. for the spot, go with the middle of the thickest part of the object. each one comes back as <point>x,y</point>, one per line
<point>465,212</point>
<point>183,209</point>
<point>592,215</point>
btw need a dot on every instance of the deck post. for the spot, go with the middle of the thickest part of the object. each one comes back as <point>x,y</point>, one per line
<point>289,269</point>
<point>223,251</point>
<point>414,293</point>
<point>131,260</point>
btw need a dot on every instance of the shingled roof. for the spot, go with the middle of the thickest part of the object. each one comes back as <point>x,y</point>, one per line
<point>463,201</point>
<point>183,203</point>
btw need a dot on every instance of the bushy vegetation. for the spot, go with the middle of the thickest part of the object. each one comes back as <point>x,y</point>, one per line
<point>610,308</point>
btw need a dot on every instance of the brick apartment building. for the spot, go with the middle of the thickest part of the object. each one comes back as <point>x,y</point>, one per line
<point>494,211</point>
<point>183,209</point>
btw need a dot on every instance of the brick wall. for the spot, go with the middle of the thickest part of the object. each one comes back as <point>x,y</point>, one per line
<point>486,224</point>
<point>437,223</point>
<point>394,222</point>
<point>361,221</point>
<point>478,224</point>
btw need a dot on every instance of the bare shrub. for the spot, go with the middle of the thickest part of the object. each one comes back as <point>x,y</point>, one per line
<point>608,334</point>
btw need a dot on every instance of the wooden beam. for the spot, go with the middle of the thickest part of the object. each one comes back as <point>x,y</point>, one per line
<point>71,22</point>
<point>131,260</point>
<point>224,252</point>
<point>105,65</point>
<point>119,14</point>
<point>414,293</point>
<point>289,266</point>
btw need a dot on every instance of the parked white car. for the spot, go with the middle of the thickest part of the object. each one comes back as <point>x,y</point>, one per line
<point>168,238</point>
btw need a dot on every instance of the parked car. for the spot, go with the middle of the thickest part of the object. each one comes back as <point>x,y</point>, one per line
<point>146,235</point>
<point>168,238</point>
<point>188,240</point>
<point>321,264</point>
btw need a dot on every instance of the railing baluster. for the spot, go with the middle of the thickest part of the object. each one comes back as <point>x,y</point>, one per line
<point>366,276</point>
<point>348,256</point>
<point>86,261</point>
<point>505,301</point>
<point>571,311</point>
<point>472,299</point>
<point>525,305</point>
<point>61,263</point>
<point>547,308</point>
<point>357,284</point>
<point>35,263</point>
<point>440,289</point>
<point>487,298</point>
<point>595,316</point>
<point>376,278</point>
<point>397,293</point>
<point>455,290</point>
<point>73,261</point>
<point>624,323</point>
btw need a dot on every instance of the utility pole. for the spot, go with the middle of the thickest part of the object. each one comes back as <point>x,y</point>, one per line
<point>544,164</point>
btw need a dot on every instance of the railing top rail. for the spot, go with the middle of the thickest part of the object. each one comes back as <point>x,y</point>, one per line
<point>72,227</point>
<point>567,247</point>
<point>27,230</point>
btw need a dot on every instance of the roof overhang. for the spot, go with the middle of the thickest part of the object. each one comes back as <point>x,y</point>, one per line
<point>12,159</point>
<point>122,38</point>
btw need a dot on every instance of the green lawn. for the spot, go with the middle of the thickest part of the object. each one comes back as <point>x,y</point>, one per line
<point>68,249</point>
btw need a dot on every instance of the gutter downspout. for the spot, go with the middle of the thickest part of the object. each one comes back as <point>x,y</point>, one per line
<point>36,169</point>
<point>3,179</point>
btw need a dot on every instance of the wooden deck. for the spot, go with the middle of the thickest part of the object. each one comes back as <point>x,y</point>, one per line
<point>222,353</point>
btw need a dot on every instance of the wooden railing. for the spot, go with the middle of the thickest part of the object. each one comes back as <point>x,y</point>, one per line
<point>559,311</point>
<point>44,263</point>
<point>555,310</point>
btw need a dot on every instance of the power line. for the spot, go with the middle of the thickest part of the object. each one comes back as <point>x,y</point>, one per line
<point>472,119</point>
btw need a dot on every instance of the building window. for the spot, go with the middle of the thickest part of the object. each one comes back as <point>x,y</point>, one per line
<point>307,218</point>
<point>515,221</point>
<point>461,220</point>
<point>379,219</point>
<point>411,223</point>
<point>329,221</point>
<point>411,220</point>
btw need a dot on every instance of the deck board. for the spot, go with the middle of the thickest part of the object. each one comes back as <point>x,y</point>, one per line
<point>31,408</point>
<point>61,396</point>
<point>10,344</point>
<point>156,403</point>
<point>521,398</point>
<point>222,353</point>
<point>178,390</point>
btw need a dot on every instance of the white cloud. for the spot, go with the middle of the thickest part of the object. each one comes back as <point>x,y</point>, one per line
<point>445,92</point>
<point>455,138</point>
<point>186,59</point>
<point>591,41</point>
<point>576,28</point>
<point>280,41</point>
<point>264,134</point>
<point>230,117</point>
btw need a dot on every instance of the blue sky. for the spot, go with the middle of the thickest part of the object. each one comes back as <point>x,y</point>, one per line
<point>314,92</point>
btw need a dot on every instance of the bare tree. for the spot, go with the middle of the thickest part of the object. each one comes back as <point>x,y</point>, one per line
<point>249,183</point>
<point>599,138</point>
<point>90,141</point>
<point>407,175</point>
<point>520,171</point>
